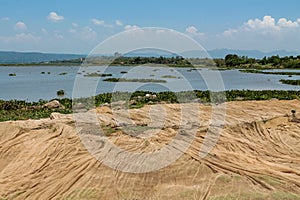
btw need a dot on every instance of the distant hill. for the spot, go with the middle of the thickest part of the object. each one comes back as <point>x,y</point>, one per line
<point>11,57</point>
<point>221,53</point>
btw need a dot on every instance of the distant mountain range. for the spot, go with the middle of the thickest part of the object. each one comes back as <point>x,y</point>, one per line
<point>10,57</point>
<point>221,53</point>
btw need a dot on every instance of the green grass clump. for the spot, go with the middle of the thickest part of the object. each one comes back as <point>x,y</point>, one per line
<point>254,71</point>
<point>12,74</point>
<point>134,80</point>
<point>60,93</point>
<point>97,75</point>
<point>290,82</point>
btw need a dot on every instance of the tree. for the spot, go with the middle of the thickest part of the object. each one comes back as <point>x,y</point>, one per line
<point>232,60</point>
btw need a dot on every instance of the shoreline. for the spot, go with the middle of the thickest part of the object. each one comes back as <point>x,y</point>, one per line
<point>22,110</point>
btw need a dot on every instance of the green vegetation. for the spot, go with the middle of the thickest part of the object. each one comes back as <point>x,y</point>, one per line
<point>235,61</point>
<point>266,72</point>
<point>60,93</point>
<point>13,74</point>
<point>21,110</point>
<point>134,80</point>
<point>97,75</point>
<point>170,76</point>
<point>230,61</point>
<point>177,61</point>
<point>62,74</point>
<point>43,72</point>
<point>290,82</point>
<point>123,72</point>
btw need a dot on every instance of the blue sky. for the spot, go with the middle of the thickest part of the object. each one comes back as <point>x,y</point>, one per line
<point>74,26</point>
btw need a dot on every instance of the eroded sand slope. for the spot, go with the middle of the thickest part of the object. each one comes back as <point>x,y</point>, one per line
<point>256,157</point>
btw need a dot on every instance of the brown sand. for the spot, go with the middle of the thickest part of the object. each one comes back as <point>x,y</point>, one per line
<point>257,156</point>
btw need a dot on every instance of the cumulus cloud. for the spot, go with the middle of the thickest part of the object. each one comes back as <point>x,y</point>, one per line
<point>119,23</point>
<point>20,26</point>
<point>53,16</point>
<point>283,22</point>
<point>193,31</point>
<point>75,25</point>
<point>97,22</point>
<point>267,22</point>
<point>131,27</point>
<point>85,33</point>
<point>267,25</point>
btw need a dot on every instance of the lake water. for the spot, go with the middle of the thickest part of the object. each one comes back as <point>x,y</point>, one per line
<point>31,85</point>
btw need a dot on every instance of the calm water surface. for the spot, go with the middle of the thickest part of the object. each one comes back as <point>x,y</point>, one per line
<point>31,85</point>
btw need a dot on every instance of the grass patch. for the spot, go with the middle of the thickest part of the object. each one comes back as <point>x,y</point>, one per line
<point>62,74</point>
<point>170,76</point>
<point>12,74</point>
<point>290,82</point>
<point>254,71</point>
<point>108,131</point>
<point>134,80</point>
<point>270,180</point>
<point>97,75</point>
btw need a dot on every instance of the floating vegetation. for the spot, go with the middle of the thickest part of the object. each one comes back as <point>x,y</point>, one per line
<point>290,82</point>
<point>62,74</point>
<point>49,73</point>
<point>134,80</point>
<point>97,75</point>
<point>13,74</point>
<point>264,72</point>
<point>60,93</point>
<point>171,76</point>
<point>43,72</point>
<point>123,72</point>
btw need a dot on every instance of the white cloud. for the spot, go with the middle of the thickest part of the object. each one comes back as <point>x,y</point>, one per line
<point>85,33</point>
<point>75,25</point>
<point>268,22</point>
<point>44,31</point>
<point>53,16</point>
<point>283,22</point>
<point>119,23</point>
<point>5,19</point>
<point>131,27</point>
<point>192,30</point>
<point>20,26</point>
<point>98,22</point>
<point>266,26</point>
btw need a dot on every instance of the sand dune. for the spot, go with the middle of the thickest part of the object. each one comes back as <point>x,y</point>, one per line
<point>257,155</point>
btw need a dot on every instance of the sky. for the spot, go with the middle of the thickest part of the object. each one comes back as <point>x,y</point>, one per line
<point>77,26</point>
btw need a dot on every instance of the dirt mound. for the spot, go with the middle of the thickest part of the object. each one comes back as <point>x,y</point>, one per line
<point>257,155</point>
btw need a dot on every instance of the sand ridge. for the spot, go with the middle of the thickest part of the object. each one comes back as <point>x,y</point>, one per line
<point>257,155</point>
